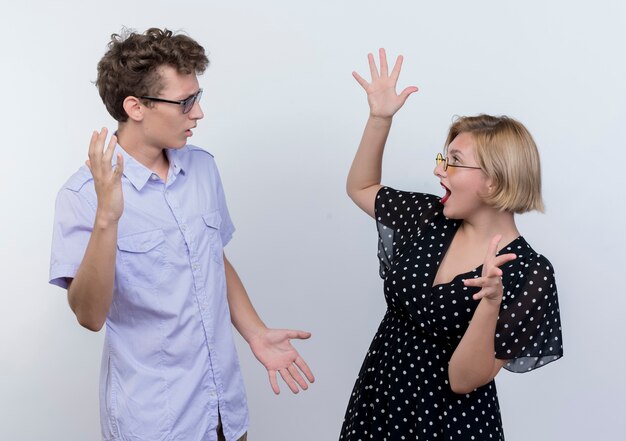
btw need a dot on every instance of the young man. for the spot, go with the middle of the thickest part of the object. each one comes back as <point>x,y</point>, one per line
<point>138,243</point>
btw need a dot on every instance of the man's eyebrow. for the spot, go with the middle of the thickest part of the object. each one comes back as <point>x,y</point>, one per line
<point>189,96</point>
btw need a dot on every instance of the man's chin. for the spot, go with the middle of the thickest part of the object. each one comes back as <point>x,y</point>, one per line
<point>179,145</point>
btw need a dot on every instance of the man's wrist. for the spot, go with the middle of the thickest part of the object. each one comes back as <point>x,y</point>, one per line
<point>105,222</point>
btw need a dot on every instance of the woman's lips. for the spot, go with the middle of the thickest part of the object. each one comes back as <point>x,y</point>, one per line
<point>446,196</point>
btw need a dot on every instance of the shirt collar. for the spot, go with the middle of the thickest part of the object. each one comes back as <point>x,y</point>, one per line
<point>135,172</point>
<point>138,174</point>
<point>177,164</point>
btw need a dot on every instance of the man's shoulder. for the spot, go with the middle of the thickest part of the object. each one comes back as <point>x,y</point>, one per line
<point>195,151</point>
<point>77,181</point>
<point>195,158</point>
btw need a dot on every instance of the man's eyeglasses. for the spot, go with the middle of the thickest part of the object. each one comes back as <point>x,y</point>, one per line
<point>439,159</point>
<point>186,104</point>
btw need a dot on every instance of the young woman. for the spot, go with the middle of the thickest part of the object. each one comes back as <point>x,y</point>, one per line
<point>466,294</point>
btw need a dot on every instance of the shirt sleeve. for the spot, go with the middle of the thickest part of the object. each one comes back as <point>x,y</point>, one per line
<point>73,223</point>
<point>401,216</point>
<point>528,332</point>
<point>227,228</point>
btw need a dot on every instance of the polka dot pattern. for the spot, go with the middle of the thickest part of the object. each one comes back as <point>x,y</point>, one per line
<point>402,391</point>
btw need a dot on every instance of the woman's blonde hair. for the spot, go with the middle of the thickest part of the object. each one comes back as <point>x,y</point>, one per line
<point>507,154</point>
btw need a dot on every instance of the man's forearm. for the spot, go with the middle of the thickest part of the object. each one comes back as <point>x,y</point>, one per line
<point>91,291</point>
<point>242,313</point>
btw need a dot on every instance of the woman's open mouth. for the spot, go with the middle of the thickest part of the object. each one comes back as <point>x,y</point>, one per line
<point>447,195</point>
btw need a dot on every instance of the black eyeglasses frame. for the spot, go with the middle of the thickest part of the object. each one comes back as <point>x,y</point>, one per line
<point>187,103</point>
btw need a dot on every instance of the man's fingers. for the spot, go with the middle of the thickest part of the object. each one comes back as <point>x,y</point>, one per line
<point>296,376</point>
<point>119,167</point>
<point>273,381</point>
<point>302,335</point>
<point>305,369</point>
<point>287,378</point>
<point>96,146</point>
<point>92,143</point>
<point>108,154</point>
<point>93,146</point>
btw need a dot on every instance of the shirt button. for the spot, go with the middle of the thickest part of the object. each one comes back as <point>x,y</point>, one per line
<point>154,177</point>
<point>183,227</point>
<point>195,266</point>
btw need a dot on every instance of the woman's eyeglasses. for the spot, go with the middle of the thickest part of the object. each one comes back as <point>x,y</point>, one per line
<point>439,159</point>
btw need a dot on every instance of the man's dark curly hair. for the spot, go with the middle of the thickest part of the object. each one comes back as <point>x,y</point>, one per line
<point>130,66</point>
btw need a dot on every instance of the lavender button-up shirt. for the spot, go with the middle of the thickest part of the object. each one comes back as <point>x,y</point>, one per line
<point>169,360</point>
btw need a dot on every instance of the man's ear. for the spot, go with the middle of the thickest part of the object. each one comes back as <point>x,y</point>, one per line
<point>134,108</point>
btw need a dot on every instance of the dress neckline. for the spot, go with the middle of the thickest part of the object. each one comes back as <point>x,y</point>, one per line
<point>479,267</point>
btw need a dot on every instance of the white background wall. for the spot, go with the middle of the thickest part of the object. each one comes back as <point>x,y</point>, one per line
<point>283,118</point>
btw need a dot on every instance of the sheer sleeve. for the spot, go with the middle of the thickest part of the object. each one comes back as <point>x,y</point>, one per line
<point>401,216</point>
<point>528,333</point>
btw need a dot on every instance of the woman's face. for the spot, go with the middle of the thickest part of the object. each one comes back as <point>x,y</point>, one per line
<point>463,186</point>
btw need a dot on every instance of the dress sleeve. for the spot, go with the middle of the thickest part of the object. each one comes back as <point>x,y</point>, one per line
<point>528,332</point>
<point>73,223</point>
<point>401,216</point>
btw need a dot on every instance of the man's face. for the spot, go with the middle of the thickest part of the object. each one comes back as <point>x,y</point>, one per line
<point>165,125</point>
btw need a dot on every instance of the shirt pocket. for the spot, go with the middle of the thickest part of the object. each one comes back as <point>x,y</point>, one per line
<point>212,223</point>
<point>142,258</point>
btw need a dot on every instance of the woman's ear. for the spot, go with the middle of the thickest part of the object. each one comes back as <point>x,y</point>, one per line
<point>490,186</point>
<point>134,108</point>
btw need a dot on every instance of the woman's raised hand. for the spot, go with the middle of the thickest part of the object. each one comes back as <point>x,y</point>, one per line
<point>383,100</point>
<point>490,281</point>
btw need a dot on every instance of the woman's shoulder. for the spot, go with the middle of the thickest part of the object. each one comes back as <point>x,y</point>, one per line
<point>390,195</point>
<point>391,200</point>
<point>530,271</point>
<point>526,253</point>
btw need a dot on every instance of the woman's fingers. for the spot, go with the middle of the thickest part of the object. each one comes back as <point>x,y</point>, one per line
<point>384,68</point>
<point>504,258</point>
<point>406,92</point>
<point>360,80</point>
<point>373,69</point>
<point>491,280</point>
<point>395,73</point>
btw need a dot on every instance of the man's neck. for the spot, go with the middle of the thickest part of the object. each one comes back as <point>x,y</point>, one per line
<point>152,157</point>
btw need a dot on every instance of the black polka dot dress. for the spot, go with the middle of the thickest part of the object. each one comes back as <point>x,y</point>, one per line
<point>402,391</point>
